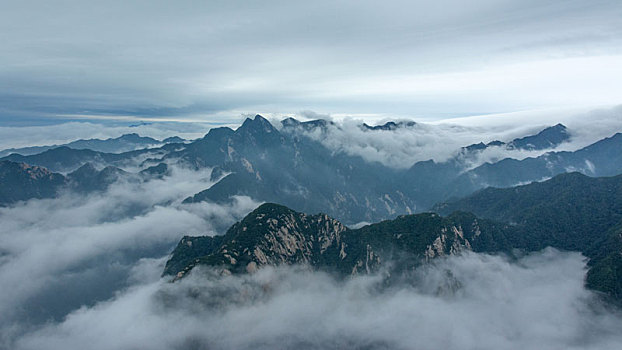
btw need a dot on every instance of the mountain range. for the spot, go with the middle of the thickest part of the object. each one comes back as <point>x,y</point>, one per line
<point>569,212</point>
<point>123,143</point>
<point>20,181</point>
<point>288,166</point>
<point>311,177</point>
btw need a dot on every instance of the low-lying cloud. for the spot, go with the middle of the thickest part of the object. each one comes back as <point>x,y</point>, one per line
<point>403,147</point>
<point>399,148</point>
<point>473,301</point>
<point>58,254</point>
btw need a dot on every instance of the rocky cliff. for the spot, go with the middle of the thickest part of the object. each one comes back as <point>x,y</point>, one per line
<point>276,235</point>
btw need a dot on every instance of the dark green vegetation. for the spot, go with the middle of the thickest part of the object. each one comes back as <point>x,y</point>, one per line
<point>570,212</point>
<point>188,250</point>
<point>288,166</point>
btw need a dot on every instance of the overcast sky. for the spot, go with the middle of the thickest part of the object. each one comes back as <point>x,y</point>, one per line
<point>217,60</point>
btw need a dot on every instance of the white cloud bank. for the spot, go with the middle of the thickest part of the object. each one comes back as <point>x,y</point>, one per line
<point>440,141</point>
<point>84,272</point>
<point>59,254</point>
<point>538,302</point>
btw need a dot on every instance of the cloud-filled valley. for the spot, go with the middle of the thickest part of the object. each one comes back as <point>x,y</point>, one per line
<point>58,254</point>
<point>274,174</point>
<point>441,141</point>
<point>399,148</point>
<point>85,267</point>
<point>466,302</point>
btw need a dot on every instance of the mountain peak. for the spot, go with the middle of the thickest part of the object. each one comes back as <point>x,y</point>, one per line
<point>173,139</point>
<point>259,123</point>
<point>550,137</point>
<point>389,126</point>
<point>219,132</point>
<point>495,143</point>
<point>134,138</point>
<point>310,125</point>
<point>271,208</point>
<point>275,235</point>
<point>476,147</point>
<point>132,135</point>
<point>87,169</point>
<point>289,122</point>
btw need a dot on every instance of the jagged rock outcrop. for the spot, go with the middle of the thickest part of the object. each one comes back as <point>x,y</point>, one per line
<point>275,235</point>
<point>570,212</point>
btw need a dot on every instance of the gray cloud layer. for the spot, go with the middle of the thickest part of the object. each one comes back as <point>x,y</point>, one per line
<point>466,302</point>
<point>59,254</point>
<point>84,272</point>
<point>197,58</point>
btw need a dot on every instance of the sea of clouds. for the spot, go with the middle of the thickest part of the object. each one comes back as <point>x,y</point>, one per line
<point>84,271</point>
<point>401,148</point>
<point>472,301</point>
<point>59,254</point>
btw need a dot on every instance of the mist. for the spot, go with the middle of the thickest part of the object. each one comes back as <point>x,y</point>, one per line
<point>441,141</point>
<point>84,271</point>
<point>57,255</point>
<point>472,301</point>
<point>399,148</point>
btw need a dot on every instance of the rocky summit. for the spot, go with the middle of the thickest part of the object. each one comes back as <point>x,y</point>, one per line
<point>276,235</point>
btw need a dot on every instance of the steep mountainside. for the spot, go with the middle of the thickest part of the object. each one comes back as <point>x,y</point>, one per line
<point>441,181</point>
<point>603,158</point>
<point>309,177</point>
<point>275,235</point>
<point>19,181</point>
<point>550,137</point>
<point>87,178</point>
<point>571,211</point>
<point>301,173</point>
<point>65,159</point>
